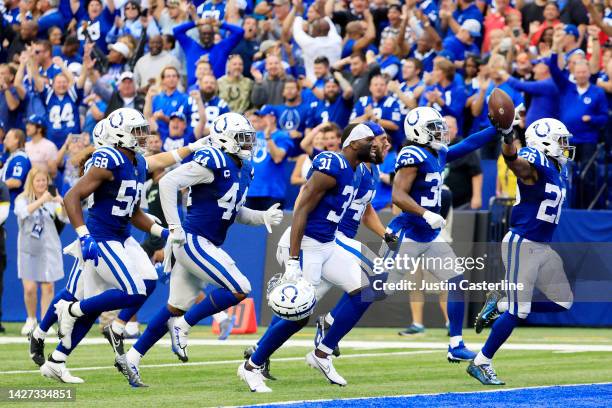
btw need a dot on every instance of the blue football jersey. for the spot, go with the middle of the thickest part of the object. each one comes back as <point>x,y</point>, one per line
<point>365,194</point>
<point>338,111</point>
<point>212,208</point>
<point>17,166</point>
<point>425,191</point>
<point>323,221</point>
<point>291,118</point>
<point>537,210</point>
<point>271,179</point>
<point>214,108</point>
<point>114,201</point>
<point>62,114</point>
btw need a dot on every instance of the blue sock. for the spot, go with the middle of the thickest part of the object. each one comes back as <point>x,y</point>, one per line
<point>547,307</point>
<point>334,312</point>
<point>129,312</point>
<point>156,329</point>
<point>455,308</point>
<point>50,317</point>
<point>111,299</point>
<point>348,314</point>
<point>80,330</point>
<point>501,330</point>
<point>216,301</point>
<point>275,320</point>
<point>278,334</point>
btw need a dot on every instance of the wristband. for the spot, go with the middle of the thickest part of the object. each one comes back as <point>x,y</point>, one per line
<point>510,158</point>
<point>156,230</point>
<point>176,156</point>
<point>82,231</point>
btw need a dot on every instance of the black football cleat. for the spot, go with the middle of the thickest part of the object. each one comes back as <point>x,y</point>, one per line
<point>115,340</point>
<point>489,311</point>
<point>37,349</point>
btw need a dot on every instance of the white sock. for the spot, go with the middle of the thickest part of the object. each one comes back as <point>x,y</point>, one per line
<point>38,333</point>
<point>31,320</point>
<point>59,356</point>
<point>481,359</point>
<point>252,364</point>
<point>329,319</point>
<point>131,328</point>
<point>182,324</point>
<point>419,325</point>
<point>219,317</point>
<point>133,356</point>
<point>75,309</point>
<point>455,340</point>
<point>117,327</point>
<point>502,305</point>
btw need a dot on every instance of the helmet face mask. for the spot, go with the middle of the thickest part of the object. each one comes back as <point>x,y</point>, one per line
<point>438,133</point>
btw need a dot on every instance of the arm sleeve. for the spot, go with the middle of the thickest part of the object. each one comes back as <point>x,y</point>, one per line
<point>471,143</point>
<point>21,208</point>
<point>180,33</point>
<point>184,176</point>
<point>250,217</point>
<point>556,73</point>
<point>236,34</point>
<point>300,37</point>
<point>533,87</point>
<point>600,115</point>
<point>455,108</point>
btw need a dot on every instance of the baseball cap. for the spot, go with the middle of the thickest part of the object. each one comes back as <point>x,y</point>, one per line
<point>265,110</point>
<point>178,115</point>
<point>280,2</point>
<point>472,26</point>
<point>36,120</point>
<point>266,45</point>
<point>571,29</point>
<point>126,75</point>
<point>121,48</point>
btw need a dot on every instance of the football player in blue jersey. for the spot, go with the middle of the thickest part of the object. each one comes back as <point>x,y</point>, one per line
<point>218,178</point>
<point>416,191</point>
<point>333,182</point>
<point>117,281</point>
<point>529,260</point>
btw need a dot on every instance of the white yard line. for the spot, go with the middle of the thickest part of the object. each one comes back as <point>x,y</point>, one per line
<point>222,362</point>
<point>424,395</point>
<point>354,344</point>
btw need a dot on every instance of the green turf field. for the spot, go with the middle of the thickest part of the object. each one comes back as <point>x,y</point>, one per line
<point>387,371</point>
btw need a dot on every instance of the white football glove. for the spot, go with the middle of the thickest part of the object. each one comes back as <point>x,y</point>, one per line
<point>272,216</point>
<point>198,144</point>
<point>434,220</point>
<point>292,270</point>
<point>177,235</point>
<point>516,121</point>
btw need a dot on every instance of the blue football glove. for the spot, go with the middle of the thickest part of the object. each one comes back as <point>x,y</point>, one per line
<point>89,249</point>
<point>162,276</point>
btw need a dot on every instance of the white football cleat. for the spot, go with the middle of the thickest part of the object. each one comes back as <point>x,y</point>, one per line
<point>326,367</point>
<point>178,338</point>
<point>59,372</point>
<point>253,378</point>
<point>65,322</point>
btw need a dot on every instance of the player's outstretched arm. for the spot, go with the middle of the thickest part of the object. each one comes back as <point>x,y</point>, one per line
<point>312,192</point>
<point>471,143</point>
<point>86,186</point>
<point>521,168</point>
<point>166,159</point>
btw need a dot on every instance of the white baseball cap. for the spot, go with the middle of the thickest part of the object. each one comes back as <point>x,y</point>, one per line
<point>472,26</point>
<point>121,48</point>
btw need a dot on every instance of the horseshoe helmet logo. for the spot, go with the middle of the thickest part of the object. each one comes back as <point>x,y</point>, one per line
<point>542,129</point>
<point>286,293</point>
<point>220,125</point>
<point>413,117</point>
<point>116,120</point>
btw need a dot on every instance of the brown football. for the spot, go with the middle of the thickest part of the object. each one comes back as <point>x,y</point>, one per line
<point>501,109</point>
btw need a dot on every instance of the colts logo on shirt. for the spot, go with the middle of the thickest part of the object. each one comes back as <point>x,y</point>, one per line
<point>290,119</point>
<point>587,100</point>
<point>261,152</point>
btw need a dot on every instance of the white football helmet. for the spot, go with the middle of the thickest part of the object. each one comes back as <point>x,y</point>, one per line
<point>233,133</point>
<point>291,299</point>
<point>127,128</point>
<point>424,125</point>
<point>550,137</point>
<point>100,133</point>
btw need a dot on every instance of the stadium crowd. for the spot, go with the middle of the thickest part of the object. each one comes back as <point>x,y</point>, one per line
<point>300,70</point>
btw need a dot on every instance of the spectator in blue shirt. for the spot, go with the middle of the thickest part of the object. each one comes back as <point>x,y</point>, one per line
<point>445,95</point>
<point>335,106</point>
<point>424,51</point>
<point>17,165</point>
<point>389,64</point>
<point>179,134</point>
<point>248,46</point>
<point>270,181</point>
<point>462,43</point>
<point>451,21</point>
<point>99,19</point>
<point>131,24</point>
<point>543,91</point>
<point>159,105</point>
<point>217,53</point>
<point>50,17</point>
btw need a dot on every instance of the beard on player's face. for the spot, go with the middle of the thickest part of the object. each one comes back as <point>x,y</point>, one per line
<point>366,152</point>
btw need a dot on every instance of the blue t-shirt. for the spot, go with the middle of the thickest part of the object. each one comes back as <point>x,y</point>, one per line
<point>115,201</point>
<point>364,196</point>
<point>382,198</point>
<point>212,208</point>
<point>270,179</point>
<point>457,49</point>
<point>538,207</point>
<point>337,112</point>
<point>17,167</point>
<point>290,118</point>
<point>168,104</point>
<point>97,28</point>
<point>323,221</point>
